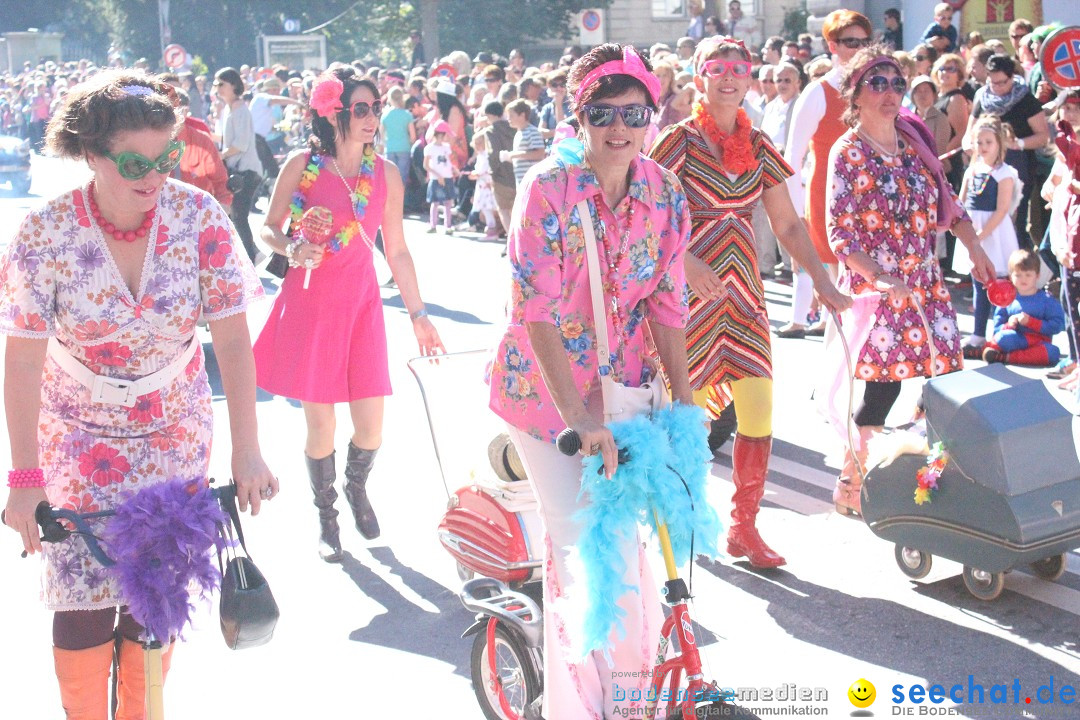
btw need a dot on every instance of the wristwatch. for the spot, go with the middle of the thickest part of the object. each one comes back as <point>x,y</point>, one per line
<point>422,312</point>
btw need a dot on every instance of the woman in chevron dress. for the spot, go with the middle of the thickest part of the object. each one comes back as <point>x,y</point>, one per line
<point>726,167</point>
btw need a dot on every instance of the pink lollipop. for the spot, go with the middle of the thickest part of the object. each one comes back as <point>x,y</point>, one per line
<point>1001,292</point>
<point>315,227</point>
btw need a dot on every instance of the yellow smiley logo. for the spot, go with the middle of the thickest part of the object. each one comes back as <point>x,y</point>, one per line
<point>862,693</point>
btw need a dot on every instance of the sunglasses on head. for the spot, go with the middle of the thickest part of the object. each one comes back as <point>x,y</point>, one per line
<point>879,84</point>
<point>635,116</point>
<point>361,109</point>
<point>854,43</point>
<point>720,68</point>
<point>133,166</point>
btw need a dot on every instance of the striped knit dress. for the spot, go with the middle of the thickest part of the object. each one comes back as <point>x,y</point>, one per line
<point>727,339</point>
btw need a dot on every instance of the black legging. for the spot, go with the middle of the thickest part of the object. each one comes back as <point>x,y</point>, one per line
<point>878,399</point>
<point>82,629</point>
<point>243,199</point>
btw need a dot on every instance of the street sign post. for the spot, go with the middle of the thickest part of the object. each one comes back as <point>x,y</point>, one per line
<point>175,56</point>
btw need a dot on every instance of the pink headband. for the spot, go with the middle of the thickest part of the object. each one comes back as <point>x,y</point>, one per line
<point>631,65</point>
<point>876,62</point>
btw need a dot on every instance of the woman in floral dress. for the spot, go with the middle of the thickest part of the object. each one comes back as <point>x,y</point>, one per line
<point>545,375</point>
<point>109,280</point>
<point>888,196</point>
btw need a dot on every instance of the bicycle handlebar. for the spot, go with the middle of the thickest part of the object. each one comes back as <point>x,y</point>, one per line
<point>48,519</point>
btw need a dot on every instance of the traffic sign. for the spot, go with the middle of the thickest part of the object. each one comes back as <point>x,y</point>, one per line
<point>590,20</point>
<point>291,25</point>
<point>1060,57</point>
<point>446,71</point>
<point>175,56</point>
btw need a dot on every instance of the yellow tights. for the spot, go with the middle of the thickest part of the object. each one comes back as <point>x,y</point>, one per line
<point>753,404</point>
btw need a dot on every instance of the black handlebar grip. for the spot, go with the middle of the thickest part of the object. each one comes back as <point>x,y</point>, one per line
<point>568,442</point>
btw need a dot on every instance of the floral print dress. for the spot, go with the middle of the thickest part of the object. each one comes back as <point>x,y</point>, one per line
<point>60,280</point>
<point>887,207</point>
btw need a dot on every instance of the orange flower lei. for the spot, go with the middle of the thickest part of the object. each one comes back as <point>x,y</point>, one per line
<point>736,153</point>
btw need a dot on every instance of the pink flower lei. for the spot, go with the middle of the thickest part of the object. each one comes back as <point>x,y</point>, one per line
<point>326,95</point>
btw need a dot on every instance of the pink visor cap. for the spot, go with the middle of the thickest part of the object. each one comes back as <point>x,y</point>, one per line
<point>631,65</point>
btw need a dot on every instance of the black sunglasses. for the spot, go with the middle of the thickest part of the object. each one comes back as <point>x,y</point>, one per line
<point>854,43</point>
<point>879,84</point>
<point>635,116</point>
<point>361,109</point>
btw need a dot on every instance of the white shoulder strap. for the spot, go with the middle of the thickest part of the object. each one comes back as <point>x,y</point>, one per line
<point>600,318</point>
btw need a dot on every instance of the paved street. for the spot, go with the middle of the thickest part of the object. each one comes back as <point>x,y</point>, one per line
<point>378,636</point>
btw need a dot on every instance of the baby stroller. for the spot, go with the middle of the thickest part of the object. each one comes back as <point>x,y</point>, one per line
<point>1009,492</point>
<point>492,530</point>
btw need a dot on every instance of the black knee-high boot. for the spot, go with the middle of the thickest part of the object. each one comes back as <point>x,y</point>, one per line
<point>357,470</point>
<point>322,475</point>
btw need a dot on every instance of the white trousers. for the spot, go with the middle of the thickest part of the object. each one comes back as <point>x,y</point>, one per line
<point>588,689</point>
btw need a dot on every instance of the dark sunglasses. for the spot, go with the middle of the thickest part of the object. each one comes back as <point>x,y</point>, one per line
<point>880,84</point>
<point>133,166</point>
<point>635,116</point>
<point>854,43</point>
<point>921,58</point>
<point>556,86</point>
<point>361,109</point>
<point>951,69</point>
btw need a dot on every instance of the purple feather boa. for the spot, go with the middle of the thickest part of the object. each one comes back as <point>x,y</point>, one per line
<point>161,538</point>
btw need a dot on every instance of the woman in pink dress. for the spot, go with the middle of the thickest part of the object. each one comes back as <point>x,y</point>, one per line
<point>326,344</point>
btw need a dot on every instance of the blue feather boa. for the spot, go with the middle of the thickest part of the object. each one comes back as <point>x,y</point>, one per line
<point>673,439</point>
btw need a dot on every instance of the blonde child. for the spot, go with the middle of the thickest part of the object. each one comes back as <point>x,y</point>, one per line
<point>990,193</point>
<point>484,194</point>
<point>441,191</point>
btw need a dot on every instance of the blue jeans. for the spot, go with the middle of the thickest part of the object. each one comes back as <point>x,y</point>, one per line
<point>402,160</point>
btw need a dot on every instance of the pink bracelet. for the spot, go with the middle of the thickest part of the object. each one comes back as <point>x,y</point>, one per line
<point>26,478</point>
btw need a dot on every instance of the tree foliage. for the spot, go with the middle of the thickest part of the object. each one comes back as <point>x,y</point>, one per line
<point>225,32</point>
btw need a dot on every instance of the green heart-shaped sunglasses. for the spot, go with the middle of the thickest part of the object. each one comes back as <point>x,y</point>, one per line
<point>133,166</point>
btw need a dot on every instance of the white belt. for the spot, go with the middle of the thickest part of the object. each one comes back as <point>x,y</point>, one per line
<point>115,391</point>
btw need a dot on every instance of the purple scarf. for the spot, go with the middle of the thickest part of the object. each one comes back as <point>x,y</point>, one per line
<point>914,130</point>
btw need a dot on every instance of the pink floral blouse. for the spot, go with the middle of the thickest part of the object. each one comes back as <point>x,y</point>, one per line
<point>551,281</point>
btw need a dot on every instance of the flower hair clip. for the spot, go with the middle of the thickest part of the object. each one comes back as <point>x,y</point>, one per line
<point>137,90</point>
<point>326,95</point>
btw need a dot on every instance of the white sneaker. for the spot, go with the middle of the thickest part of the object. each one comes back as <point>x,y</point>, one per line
<point>259,258</point>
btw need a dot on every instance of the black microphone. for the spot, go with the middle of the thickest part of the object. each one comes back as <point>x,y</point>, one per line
<point>568,442</point>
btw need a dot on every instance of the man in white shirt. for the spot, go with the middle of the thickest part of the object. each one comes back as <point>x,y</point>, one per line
<point>262,105</point>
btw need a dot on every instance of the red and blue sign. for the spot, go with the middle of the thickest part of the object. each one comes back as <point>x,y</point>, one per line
<point>590,20</point>
<point>446,71</point>
<point>1061,58</point>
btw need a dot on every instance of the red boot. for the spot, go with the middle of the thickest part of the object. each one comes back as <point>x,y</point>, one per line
<point>751,465</point>
<point>84,681</point>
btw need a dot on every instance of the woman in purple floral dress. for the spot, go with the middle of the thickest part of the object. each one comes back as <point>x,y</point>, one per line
<point>102,289</point>
<point>887,197</point>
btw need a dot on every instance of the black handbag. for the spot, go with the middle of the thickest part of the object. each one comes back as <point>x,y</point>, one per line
<point>235,183</point>
<point>278,265</point>
<point>248,610</point>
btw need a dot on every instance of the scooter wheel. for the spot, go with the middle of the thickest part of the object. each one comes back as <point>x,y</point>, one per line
<point>515,667</point>
<point>913,563</point>
<point>982,584</point>
<point>1050,568</point>
<point>718,710</point>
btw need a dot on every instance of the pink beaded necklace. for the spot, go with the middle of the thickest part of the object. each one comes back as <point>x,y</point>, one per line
<point>615,257</point>
<point>109,229</point>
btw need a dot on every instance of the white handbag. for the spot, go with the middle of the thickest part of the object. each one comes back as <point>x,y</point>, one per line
<point>620,401</point>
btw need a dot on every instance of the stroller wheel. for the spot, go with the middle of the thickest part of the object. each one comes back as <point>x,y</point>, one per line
<point>1050,568</point>
<point>515,669</point>
<point>982,584</point>
<point>913,563</point>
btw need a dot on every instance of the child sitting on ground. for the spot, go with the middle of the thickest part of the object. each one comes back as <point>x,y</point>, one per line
<point>1023,329</point>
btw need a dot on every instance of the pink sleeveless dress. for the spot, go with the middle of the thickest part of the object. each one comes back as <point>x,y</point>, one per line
<point>327,344</point>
